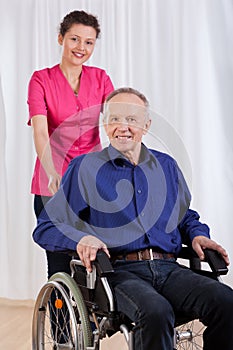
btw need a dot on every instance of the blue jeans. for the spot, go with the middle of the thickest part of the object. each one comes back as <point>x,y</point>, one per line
<point>151,293</point>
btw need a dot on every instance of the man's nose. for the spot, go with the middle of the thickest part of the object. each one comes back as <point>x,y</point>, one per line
<point>123,125</point>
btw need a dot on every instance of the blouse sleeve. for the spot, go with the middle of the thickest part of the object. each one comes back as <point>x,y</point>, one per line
<point>108,87</point>
<point>36,96</point>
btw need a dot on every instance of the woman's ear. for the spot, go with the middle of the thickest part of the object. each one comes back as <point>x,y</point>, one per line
<point>60,39</point>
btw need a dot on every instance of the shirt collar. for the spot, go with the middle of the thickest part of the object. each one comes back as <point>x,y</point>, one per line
<point>118,159</point>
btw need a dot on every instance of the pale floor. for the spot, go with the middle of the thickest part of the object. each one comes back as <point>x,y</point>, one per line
<point>15,327</point>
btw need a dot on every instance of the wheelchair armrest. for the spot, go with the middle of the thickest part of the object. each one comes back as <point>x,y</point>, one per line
<point>103,264</point>
<point>212,257</point>
<point>187,253</point>
<point>216,262</point>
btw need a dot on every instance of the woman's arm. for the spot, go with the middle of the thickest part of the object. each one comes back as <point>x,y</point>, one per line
<point>43,150</point>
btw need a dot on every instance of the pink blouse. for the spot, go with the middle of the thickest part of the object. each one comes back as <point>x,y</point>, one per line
<point>73,121</point>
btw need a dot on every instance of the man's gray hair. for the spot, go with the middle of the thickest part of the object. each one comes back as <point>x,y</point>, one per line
<point>126,90</point>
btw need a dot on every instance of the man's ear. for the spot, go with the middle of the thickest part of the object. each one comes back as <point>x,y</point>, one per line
<point>147,126</point>
<point>60,39</point>
<point>105,124</point>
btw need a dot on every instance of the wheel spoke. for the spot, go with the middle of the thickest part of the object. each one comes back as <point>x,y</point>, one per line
<point>190,336</point>
<point>57,324</point>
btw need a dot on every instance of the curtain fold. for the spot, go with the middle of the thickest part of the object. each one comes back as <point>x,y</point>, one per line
<point>4,254</point>
<point>179,53</point>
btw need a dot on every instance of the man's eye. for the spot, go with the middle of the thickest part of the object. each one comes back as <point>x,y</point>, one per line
<point>89,43</point>
<point>114,119</point>
<point>131,119</point>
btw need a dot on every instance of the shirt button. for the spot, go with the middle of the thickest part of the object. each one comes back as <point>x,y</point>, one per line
<point>139,191</point>
<point>142,213</point>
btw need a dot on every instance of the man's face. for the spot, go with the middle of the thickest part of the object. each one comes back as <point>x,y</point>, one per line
<point>126,121</point>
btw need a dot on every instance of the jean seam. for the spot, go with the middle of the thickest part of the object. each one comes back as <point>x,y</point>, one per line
<point>131,301</point>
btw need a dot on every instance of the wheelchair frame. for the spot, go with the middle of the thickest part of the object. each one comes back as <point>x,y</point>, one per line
<point>67,316</point>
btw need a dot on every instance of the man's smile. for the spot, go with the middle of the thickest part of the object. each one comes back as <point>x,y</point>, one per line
<point>123,138</point>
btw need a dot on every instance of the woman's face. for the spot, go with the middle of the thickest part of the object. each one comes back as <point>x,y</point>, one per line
<point>78,44</point>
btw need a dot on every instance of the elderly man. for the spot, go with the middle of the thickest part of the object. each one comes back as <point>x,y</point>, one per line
<point>133,203</point>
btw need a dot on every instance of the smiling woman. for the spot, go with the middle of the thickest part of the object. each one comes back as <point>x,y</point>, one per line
<point>57,98</point>
<point>78,45</point>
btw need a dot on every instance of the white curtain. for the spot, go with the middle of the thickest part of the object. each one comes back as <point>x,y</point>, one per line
<point>179,53</point>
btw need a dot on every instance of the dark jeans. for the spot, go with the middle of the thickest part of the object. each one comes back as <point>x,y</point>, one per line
<point>152,292</point>
<point>57,262</point>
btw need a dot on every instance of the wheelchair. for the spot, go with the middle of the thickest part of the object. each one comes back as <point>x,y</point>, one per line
<point>78,311</point>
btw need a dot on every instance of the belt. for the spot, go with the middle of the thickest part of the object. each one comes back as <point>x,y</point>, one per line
<point>146,254</point>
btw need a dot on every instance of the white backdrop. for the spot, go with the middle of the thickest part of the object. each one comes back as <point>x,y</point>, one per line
<point>178,52</point>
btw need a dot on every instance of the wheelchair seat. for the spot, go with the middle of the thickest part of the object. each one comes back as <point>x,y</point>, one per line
<point>78,311</point>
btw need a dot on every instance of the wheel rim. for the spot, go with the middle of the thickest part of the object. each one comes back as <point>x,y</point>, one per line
<point>60,320</point>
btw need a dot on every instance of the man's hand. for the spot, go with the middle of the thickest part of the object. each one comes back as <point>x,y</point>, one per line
<point>87,249</point>
<point>200,243</point>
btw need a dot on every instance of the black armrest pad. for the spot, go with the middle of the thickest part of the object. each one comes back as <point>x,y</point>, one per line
<point>187,253</point>
<point>216,262</point>
<point>212,257</point>
<point>103,263</point>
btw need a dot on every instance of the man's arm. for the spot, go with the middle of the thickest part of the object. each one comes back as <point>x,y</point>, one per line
<point>192,230</point>
<point>60,226</point>
<point>196,233</point>
<point>190,227</point>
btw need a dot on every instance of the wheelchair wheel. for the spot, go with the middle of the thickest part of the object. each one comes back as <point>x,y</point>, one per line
<point>189,336</point>
<point>60,319</point>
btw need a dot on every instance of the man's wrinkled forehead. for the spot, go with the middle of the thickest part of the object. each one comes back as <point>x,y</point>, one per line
<point>125,108</point>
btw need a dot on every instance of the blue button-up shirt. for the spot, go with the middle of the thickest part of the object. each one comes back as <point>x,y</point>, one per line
<point>128,207</point>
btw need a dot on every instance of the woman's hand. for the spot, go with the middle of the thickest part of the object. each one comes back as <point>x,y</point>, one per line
<point>54,183</point>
